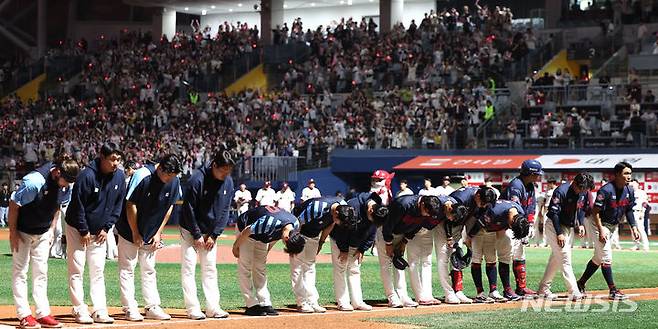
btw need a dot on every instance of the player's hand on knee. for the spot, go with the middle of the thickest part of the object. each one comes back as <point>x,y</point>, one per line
<point>359,256</point>
<point>236,251</point>
<point>14,238</point>
<point>635,233</point>
<point>602,237</point>
<point>342,257</point>
<point>561,240</point>
<point>199,244</point>
<point>468,242</point>
<point>85,240</point>
<point>101,237</point>
<point>581,231</point>
<point>389,250</point>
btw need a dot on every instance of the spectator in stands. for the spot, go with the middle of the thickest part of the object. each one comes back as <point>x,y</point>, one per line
<point>427,188</point>
<point>638,128</point>
<point>649,97</point>
<point>404,189</point>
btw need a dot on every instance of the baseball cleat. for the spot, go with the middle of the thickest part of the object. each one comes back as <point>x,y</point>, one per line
<point>497,297</point>
<point>462,298</point>
<point>510,295</point>
<point>481,298</point>
<point>616,294</point>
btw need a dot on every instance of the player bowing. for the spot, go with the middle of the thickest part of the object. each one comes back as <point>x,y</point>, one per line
<point>259,229</point>
<point>348,247</point>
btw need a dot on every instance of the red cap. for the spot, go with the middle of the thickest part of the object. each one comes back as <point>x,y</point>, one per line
<point>380,174</point>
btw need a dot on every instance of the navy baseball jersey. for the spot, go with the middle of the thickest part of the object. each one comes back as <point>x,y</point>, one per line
<point>496,217</point>
<point>153,199</point>
<point>364,236</point>
<point>405,217</point>
<point>566,207</point>
<point>39,197</point>
<point>522,194</point>
<point>614,203</point>
<point>97,200</point>
<point>315,215</point>
<point>206,203</point>
<point>266,223</point>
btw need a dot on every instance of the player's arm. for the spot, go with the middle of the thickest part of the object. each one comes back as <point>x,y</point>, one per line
<point>601,199</point>
<point>131,216</point>
<point>324,235</point>
<point>630,215</point>
<point>242,237</point>
<point>554,212</point>
<point>222,221</point>
<point>155,241</point>
<point>12,217</point>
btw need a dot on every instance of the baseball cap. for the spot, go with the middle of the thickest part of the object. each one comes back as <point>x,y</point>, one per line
<point>311,181</point>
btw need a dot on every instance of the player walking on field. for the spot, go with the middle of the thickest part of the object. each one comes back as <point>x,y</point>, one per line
<point>613,201</point>
<point>565,214</point>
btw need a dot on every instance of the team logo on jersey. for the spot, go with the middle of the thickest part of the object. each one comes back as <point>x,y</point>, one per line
<point>205,192</point>
<point>95,189</point>
<point>167,195</point>
<point>116,187</point>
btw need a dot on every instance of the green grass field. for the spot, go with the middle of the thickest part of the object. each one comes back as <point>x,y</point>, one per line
<point>632,270</point>
<point>642,317</point>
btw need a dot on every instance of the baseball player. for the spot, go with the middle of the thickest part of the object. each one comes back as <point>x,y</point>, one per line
<point>285,198</point>
<point>207,196</point>
<point>95,207</point>
<point>310,191</point>
<point>152,193</point>
<point>5,195</point>
<point>614,200</point>
<point>445,188</point>
<point>544,202</point>
<point>406,218</point>
<point>441,237</point>
<point>266,195</point>
<point>404,189</point>
<point>129,168</point>
<point>259,229</point>
<point>317,217</point>
<point>565,215</point>
<point>641,202</point>
<point>475,199</point>
<point>504,216</point>
<point>348,247</point>
<point>427,188</point>
<point>32,210</point>
<point>522,191</point>
<point>242,198</point>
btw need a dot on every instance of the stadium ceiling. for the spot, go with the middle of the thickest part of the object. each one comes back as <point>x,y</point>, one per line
<point>199,7</point>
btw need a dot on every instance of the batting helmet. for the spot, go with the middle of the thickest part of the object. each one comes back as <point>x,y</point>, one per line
<point>529,167</point>
<point>458,259</point>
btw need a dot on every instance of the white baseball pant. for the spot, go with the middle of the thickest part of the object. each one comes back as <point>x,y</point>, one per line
<point>484,245</point>
<point>252,273</point>
<point>77,256</point>
<point>419,256</point>
<point>129,256</point>
<point>560,258</point>
<point>32,251</point>
<point>643,242</point>
<point>302,272</point>
<point>505,245</point>
<point>347,274</point>
<point>443,251</point>
<point>602,251</point>
<point>208,260</point>
<point>111,243</point>
<point>397,285</point>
